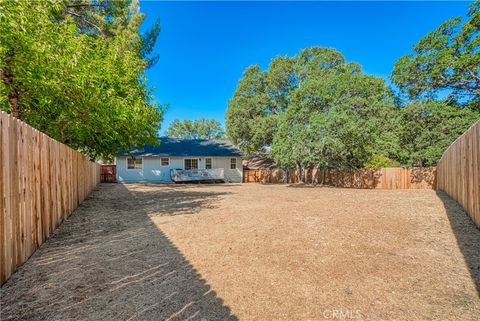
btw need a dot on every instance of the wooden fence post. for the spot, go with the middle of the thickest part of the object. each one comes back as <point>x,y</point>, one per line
<point>38,189</point>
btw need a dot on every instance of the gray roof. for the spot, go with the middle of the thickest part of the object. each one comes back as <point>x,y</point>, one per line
<point>259,161</point>
<point>186,147</point>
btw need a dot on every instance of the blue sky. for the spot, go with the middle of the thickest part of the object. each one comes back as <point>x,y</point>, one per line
<point>205,46</point>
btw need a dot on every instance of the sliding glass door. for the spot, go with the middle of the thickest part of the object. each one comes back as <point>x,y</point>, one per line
<point>190,163</point>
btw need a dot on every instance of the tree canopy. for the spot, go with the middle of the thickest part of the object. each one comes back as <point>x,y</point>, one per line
<point>313,108</point>
<point>316,109</point>
<point>253,113</point>
<point>441,81</point>
<point>198,129</point>
<point>75,71</point>
<point>337,121</point>
<point>426,128</point>
<point>446,61</point>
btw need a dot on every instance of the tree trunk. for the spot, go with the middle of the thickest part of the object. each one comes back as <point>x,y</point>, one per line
<point>13,101</point>
<point>297,171</point>
<point>6,75</point>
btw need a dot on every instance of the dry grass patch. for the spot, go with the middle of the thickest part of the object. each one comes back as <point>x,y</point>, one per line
<point>254,252</point>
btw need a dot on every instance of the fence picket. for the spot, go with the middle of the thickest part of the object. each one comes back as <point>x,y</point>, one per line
<point>383,178</point>
<point>2,203</point>
<point>38,189</point>
<point>459,171</point>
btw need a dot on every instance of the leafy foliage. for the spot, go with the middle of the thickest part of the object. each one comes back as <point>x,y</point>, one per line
<point>427,128</point>
<point>446,60</point>
<point>253,113</point>
<point>314,108</point>
<point>197,129</point>
<point>379,161</point>
<point>75,70</point>
<point>250,119</point>
<point>338,121</point>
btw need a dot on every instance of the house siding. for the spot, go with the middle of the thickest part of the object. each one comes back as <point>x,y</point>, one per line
<point>152,170</point>
<point>231,175</point>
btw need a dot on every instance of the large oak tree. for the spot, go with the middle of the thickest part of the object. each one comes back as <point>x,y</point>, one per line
<point>198,129</point>
<point>313,109</point>
<point>446,62</point>
<point>75,70</point>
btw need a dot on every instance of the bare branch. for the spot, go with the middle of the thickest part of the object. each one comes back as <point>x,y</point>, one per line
<point>86,5</point>
<point>87,22</point>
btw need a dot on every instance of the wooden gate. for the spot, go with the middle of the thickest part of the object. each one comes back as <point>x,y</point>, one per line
<point>108,173</point>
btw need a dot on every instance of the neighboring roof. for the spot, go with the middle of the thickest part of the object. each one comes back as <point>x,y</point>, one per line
<point>186,147</point>
<point>258,161</point>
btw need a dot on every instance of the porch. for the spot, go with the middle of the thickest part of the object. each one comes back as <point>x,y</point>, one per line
<point>183,175</point>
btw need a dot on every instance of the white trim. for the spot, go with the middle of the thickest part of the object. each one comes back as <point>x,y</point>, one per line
<point>211,162</point>
<point>190,158</point>
<point>133,169</point>
<point>168,165</point>
<point>236,165</point>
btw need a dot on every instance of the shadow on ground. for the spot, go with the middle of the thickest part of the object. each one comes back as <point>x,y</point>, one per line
<point>108,261</point>
<point>467,235</point>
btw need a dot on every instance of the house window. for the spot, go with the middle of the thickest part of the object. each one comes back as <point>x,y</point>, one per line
<point>233,163</point>
<point>134,163</point>
<point>165,161</point>
<point>191,163</point>
<point>208,163</point>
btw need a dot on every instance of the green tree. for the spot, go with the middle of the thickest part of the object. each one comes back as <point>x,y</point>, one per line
<point>261,97</point>
<point>313,109</point>
<point>447,60</point>
<point>75,70</point>
<point>337,121</point>
<point>198,129</point>
<point>250,118</point>
<point>427,128</point>
<point>442,81</point>
<point>379,161</point>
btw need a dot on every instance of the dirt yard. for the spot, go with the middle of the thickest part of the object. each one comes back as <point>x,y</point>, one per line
<point>253,252</point>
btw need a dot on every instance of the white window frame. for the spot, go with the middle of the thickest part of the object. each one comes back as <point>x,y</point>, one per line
<point>232,163</point>
<point>135,169</point>
<point>184,167</point>
<point>211,163</point>
<point>161,161</point>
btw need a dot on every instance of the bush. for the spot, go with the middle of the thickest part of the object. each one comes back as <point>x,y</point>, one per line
<point>377,161</point>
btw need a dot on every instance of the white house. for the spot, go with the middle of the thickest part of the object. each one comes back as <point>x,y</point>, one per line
<point>181,160</point>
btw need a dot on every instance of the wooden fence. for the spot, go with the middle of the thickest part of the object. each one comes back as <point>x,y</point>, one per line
<point>41,183</point>
<point>459,172</point>
<point>382,178</point>
<point>108,173</point>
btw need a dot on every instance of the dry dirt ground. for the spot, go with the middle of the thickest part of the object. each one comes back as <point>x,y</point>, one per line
<point>253,252</point>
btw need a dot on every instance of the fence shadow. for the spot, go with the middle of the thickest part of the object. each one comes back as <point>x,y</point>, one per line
<point>108,261</point>
<point>467,235</point>
<point>362,178</point>
<point>358,179</point>
<point>425,175</point>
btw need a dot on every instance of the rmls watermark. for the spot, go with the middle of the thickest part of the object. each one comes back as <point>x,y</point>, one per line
<point>342,314</point>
